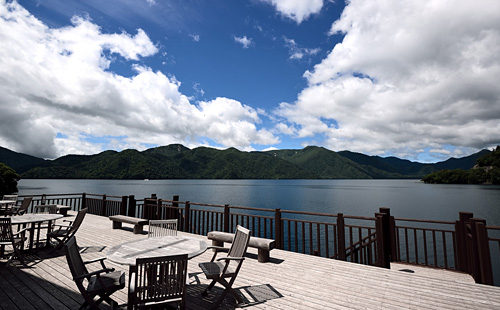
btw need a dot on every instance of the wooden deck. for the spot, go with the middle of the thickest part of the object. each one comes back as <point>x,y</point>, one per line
<point>289,281</point>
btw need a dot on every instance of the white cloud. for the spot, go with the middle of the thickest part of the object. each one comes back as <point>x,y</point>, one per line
<point>297,52</point>
<point>58,97</point>
<point>244,41</point>
<point>298,10</point>
<point>195,37</point>
<point>408,75</point>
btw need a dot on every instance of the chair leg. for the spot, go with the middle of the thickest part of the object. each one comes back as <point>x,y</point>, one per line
<point>208,288</point>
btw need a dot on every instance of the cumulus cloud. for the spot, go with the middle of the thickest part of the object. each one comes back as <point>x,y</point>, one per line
<point>58,96</point>
<point>244,41</point>
<point>408,75</point>
<point>297,10</point>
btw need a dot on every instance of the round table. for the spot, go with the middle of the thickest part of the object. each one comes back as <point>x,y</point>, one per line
<point>34,219</point>
<point>126,253</point>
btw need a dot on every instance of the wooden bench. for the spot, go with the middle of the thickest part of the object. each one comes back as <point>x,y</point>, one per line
<point>138,223</point>
<point>63,209</point>
<point>263,245</point>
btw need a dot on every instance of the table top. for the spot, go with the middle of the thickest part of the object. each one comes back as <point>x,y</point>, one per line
<point>4,202</point>
<point>126,253</point>
<point>34,218</point>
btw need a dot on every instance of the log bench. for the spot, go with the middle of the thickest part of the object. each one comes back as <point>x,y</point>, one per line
<point>263,245</point>
<point>137,222</point>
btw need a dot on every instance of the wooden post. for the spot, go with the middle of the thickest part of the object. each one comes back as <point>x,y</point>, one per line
<point>84,201</point>
<point>123,206</point>
<point>341,236</point>
<point>482,269</point>
<point>461,237</point>
<point>226,218</point>
<point>174,211</point>
<point>159,210</point>
<point>43,200</point>
<point>278,234</point>
<point>103,209</point>
<point>382,259</point>
<point>132,204</point>
<point>386,216</point>
<point>187,212</point>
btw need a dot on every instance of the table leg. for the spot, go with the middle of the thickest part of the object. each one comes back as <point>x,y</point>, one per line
<point>32,233</point>
<point>49,230</point>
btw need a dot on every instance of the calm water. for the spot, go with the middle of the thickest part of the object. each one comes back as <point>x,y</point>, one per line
<point>406,198</point>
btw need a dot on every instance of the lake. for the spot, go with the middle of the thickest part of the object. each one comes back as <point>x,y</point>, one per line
<point>405,198</point>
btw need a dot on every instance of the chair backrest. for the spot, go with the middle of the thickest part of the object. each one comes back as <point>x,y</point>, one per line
<point>10,197</point>
<point>240,242</point>
<point>5,229</point>
<point>160,279</point>
<point>78,221</point>
<point>158,228</point>
<point>51,209</point>
<point>75,262</point>
<point>25,205</point>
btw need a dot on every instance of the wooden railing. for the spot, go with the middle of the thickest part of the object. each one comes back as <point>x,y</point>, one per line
<point>467,245</point>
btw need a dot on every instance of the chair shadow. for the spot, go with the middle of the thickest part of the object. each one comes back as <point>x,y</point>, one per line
<point>251,295</point>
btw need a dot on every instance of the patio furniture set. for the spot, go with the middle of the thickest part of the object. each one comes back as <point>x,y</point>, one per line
<point>33,223</point>
<point>157,268</point>
<point>157,264</point>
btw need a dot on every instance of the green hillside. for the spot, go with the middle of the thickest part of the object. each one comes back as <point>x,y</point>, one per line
<point>485,171</point>
<point>179,162</point>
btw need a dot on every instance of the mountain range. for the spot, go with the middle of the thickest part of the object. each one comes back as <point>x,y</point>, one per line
<point>176,161</point>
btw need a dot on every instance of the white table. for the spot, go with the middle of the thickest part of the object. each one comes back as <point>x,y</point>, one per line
<point>126,253</point>
<point>35,219</point>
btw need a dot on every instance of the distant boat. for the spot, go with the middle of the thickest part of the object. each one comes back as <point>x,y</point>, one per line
<point>146,179</point>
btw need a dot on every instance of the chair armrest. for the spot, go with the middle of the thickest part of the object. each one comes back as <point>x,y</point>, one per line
<point>230,258</point>
<point>94,273</point>
<point>99,259</point>
<point>20,231</point>
<point>217,249</point>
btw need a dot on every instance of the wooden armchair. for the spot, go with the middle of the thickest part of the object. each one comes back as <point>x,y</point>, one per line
<point>224,270</point>
<point>158,228</point>
<point>99,284</point>
<point>158,280</point>
<point>62,233</point>
<point>8,237</point>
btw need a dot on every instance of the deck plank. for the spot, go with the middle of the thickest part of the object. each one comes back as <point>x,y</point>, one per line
<point>288,281</point>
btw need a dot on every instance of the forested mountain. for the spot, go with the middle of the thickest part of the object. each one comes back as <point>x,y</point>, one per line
<point>485,171</point>
<point>18,161</point>
<point>178,162</point>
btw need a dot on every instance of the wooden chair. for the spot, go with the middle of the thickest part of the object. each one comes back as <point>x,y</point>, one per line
<point>101,283</point>
<point>7,237</point>
<point>23,208</point>
<point>158,228</point>
<point>6,209</point>
<point>158,280</point>
<point>62,233</point>
<point>225,270</point>
<point>12,198</point>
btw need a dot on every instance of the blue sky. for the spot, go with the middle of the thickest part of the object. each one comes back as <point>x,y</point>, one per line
<point>414,80</point>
